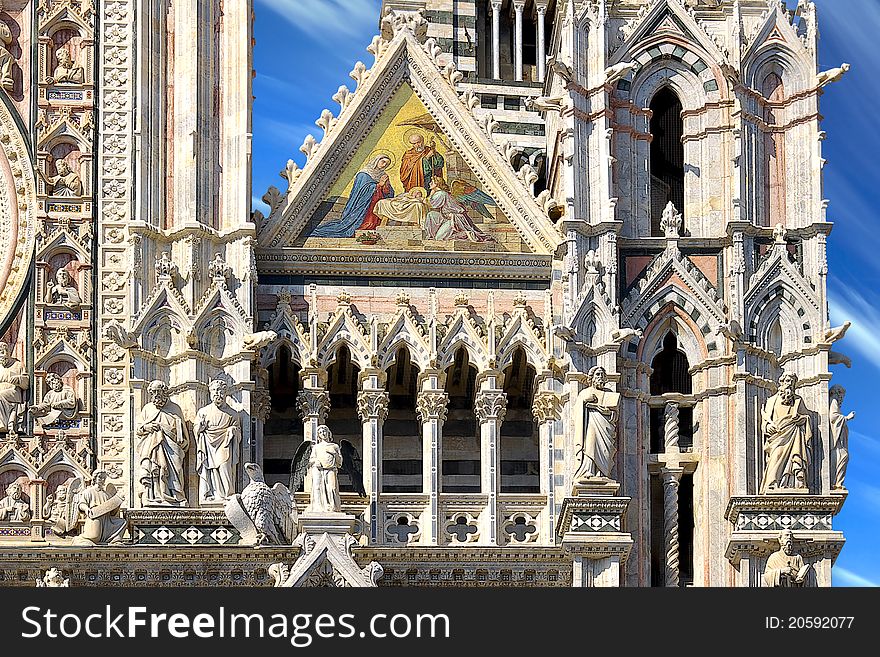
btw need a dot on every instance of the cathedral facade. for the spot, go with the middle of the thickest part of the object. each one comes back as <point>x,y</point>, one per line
<point>544,306</point>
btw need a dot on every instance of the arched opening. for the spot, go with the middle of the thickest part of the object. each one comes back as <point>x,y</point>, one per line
<point>402,435</point>
<point>671,375</point>
<point>775,338</point>
<point>667,156</point>
<point>774,154</point>
<point>343,421</point>
<point>519,448</point>
<point>283,431</point>
<point>461,434</point>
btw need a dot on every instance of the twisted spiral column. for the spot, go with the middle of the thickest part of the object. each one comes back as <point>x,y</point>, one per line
<point>671,427</point>
<point>671,478</point>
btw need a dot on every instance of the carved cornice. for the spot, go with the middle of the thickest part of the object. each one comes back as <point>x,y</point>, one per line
<point>783,503</point>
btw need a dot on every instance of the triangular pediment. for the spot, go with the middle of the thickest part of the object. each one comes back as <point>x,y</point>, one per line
<point>406,167</point>
<point>667,19</point>
<point>776,31</point>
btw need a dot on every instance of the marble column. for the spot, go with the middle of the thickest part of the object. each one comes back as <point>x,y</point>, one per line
<point>432,406</point>
<point>372,406</point>
<point>496,39</point>
<point>490,406</point>
<point>546,410</point>
<point>542,45</point>
<point>518,7</point>
<point>671,478</point>
<point>671,427</point>
<point>313,405</point>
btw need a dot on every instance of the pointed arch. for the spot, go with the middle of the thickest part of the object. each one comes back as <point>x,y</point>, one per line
<point>404,331</point>
<point>667,155</point>
<point>463,334</point>
<point>344,329</point>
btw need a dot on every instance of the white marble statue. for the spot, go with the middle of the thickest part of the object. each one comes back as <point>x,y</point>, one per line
<point>325,460</point>
<point>59,403</point>
<point>53,578</point>
<point>788,437</point>
<point>15,506</point>
<point>839,434</point>
<point>596,412</point>
<point>263,515</point>
<point>785,567</point>
<point>218,442</point>
<point>163,441</point>
<point>62,291</point>
<point>66,183</point>
<point>14,382</point>
<point>66,70</point>
<point>100,505</point>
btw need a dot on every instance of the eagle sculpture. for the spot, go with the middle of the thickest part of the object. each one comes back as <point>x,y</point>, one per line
<point>351,465</point>
<point>263,515</point>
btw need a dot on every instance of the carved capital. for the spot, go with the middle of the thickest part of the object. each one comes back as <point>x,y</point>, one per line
<point>313,404</point>
<point>372,405</point>
<point>262,404</point>
<point>431,405</point>
<point>490,405</point>
<point>546,407</point>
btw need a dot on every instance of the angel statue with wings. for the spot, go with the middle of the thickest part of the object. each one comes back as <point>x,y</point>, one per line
<point>322,462</point>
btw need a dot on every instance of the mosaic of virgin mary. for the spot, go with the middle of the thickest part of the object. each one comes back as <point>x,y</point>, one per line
<point>371,185</point>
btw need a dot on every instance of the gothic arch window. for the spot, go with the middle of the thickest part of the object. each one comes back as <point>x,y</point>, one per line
<point>461,436</point>
<point>342,383</point>
<point>518,445</point>
<point>671,375</point>
<point>667,155</point>
<point>283,431</point>
<point>776,338</point>
<point>401,434</point>
<point>774,153</point>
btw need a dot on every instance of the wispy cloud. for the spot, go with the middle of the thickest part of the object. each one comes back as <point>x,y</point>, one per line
<point>848,304</point>
<point>327,19</point>
<point>849,578</point>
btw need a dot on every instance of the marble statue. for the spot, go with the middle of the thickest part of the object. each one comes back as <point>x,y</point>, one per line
<point>785,567</point>
<point>163,441</point>
<point>66,70</point>
<point>59,403</point>
<point>62,292</point>
<point>100,505</point>
<point>6,58</point>
<point>263,515</point>
<point>839,434</point>
<point>218,439</point>
<point>53,578</point>
<point>14,382</point>
<point>66,182</point>
<point>55,509</point>
<point>15,506</point>
<point>325,460</point>
<point>788,436</point>
<point>596,411</point>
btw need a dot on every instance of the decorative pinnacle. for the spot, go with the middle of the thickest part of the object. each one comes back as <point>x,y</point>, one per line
<point>402,299</point>
<point>779,233</point>
<point>462,300</point>
<point>343,299</point>
<point>519,301</point>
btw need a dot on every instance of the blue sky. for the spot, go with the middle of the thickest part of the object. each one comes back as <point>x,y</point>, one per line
<point>306,48</point>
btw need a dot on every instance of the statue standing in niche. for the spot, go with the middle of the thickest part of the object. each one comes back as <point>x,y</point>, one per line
<point>218,439</point>
<point>15,506</point>
<point>162,447</point>
<point>596,412</point>
<point>788,436</point>
<point>62,292</point>
<point>6,58</point>
<point>325,460</point>
<point>66,70</point>
<point>839,434</point>
<point>100,505</point>
<point>785,567</point>
<point>59,403</point>
<point>13,384</point>
<point>66,183</point>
